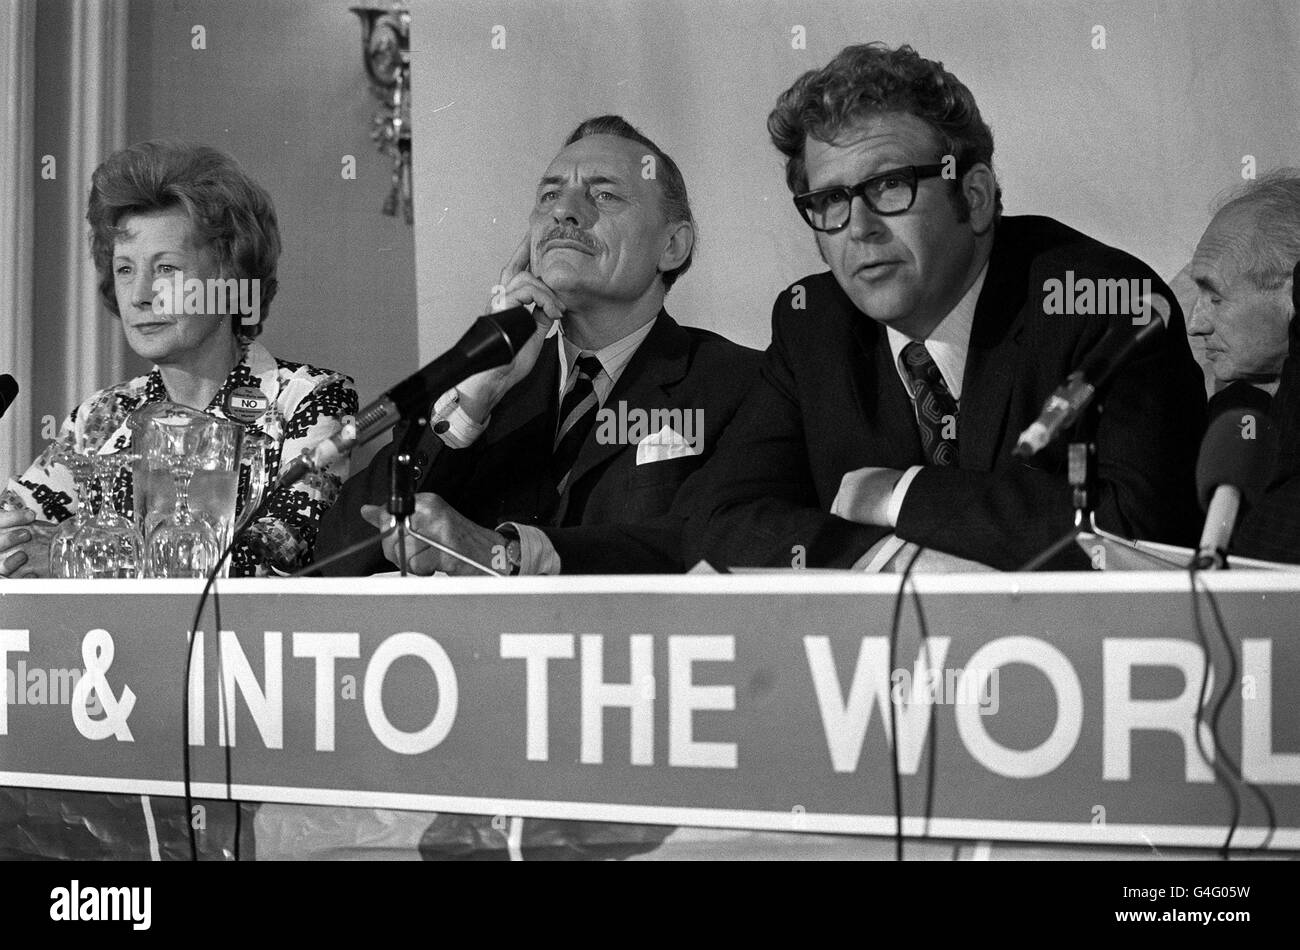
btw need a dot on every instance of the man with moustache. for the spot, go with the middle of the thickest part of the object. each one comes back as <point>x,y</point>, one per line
<point>518,466</point>
<point>519,475</point>
<point>896,385</point>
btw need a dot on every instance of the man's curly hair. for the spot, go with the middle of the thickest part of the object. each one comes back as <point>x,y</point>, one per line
<point>871,79</point>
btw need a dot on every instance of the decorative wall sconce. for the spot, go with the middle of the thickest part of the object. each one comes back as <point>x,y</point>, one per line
<point>386,49</point>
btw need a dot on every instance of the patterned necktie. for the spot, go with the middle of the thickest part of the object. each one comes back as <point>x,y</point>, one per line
<point>577,416</point>
<point>936,410</point>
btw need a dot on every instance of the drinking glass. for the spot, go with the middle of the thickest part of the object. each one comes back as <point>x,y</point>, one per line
<point>108,545</point>
<point>62,562</point>
<point>164,432</point>
<point>181,545</point>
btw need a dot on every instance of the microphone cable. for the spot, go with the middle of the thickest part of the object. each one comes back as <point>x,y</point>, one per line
<point>1222,763</point>
<point>931,738</point>
<point>210,586</point>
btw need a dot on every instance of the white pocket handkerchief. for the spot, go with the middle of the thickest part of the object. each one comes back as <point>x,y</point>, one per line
<point>663,445</point>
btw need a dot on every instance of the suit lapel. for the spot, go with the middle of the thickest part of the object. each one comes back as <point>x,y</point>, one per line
<point>991,360</point>
<point>537,394</point>
<point>889,420</point>
<point>659,362</point>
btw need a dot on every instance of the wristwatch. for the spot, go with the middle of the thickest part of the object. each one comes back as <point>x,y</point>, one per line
<point>514,550</point>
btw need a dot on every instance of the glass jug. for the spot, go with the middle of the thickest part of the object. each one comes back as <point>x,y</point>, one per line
<point>167,438</point>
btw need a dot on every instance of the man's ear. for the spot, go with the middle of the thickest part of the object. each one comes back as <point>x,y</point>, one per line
<point>980,187</point>
<point>681,239</point>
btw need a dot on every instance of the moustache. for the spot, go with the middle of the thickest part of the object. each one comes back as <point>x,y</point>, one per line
<point>562,233</point>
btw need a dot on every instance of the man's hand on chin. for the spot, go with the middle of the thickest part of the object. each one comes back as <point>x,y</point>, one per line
<point>518,287</point>
<point>865,494</point>
<point>436,519</point>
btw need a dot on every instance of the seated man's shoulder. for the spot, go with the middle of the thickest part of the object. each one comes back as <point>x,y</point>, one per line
<point>713,346</point>
<point>821,287</point>
<point>1056,247</point>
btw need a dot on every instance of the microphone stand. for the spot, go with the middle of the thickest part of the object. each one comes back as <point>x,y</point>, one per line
<point>401,505</point>
<point>1082,464</point>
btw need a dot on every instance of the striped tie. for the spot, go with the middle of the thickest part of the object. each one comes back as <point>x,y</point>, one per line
<point>577,416</point>
<point>936,410</point>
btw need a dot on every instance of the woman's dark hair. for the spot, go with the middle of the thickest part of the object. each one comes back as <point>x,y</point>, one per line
<point>229,212</point>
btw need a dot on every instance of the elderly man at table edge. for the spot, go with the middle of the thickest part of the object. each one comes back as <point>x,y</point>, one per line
<point>1244,276</point>
<point>533,469</point>
<point>1271,529</point>
<point>895,385</point>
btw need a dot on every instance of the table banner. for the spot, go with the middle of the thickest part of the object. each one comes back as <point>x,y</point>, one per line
<point>1063,705</point>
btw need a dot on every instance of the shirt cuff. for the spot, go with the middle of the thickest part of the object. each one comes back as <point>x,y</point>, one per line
<point>537,555</point>
<point>879,554</point>
<point>452,424</point>
<point>900,492</point>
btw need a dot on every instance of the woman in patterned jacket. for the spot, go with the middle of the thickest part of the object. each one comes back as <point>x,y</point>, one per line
<point>161,214</point>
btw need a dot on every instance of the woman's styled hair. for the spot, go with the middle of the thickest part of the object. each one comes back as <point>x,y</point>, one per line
<point>871,79</point>
<point>229,212</point>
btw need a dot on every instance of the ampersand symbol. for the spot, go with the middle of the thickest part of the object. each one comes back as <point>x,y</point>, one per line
<point>97,655</point>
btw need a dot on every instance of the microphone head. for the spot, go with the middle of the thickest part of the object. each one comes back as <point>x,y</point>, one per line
<point>1125,342</point>
<point>1239,449</point>
<point>8,391</point>
<point>516,325</point>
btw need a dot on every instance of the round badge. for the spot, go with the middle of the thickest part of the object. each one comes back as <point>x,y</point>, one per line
<point>246,404</point>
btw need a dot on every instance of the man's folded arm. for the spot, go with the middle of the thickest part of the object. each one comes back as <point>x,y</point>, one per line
<point>1147,441</point>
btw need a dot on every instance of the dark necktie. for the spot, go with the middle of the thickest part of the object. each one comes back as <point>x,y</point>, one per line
<point>577,416</point>
<point>936,410</point>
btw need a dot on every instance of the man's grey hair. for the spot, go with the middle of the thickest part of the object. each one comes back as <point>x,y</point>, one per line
<point>1274,244</point>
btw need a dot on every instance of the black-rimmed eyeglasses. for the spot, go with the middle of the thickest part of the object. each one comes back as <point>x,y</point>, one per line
<point>889,193</point>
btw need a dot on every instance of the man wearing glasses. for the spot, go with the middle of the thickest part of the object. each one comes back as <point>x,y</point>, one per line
<point>896,385</point>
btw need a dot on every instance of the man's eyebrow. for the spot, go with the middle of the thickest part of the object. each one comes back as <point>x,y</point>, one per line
<point>1205,283</point>
<point>592,180</point>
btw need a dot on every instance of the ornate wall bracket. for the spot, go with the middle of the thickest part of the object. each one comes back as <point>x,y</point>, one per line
<point>386,50</point>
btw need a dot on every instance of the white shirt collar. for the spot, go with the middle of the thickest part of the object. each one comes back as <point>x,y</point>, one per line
<point>948,343</point>
<point>613,358</point>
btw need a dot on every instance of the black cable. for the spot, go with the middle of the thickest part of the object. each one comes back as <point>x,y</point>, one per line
<point>933,734</point>
<point>226,713</point>
<point>1214,762</point>
<point>1264,800</point>
<point>185,691</point>
<point>895,770</point>
<point>1232,683</point>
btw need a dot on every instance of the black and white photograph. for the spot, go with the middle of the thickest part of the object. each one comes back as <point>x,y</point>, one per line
<point>651,430</point>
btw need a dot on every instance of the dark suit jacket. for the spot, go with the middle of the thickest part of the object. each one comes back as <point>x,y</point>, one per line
<point>829,401</point>
<point>1271,528</point>
<point>614,516</point>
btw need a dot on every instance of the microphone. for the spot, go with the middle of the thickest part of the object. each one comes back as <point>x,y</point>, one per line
<point>1235,464</point>
<point>8,391</point>
<point>493,340</point>
<point>1118,347</point>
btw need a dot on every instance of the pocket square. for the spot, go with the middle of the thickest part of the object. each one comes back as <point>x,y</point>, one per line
<point>663,445</point>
